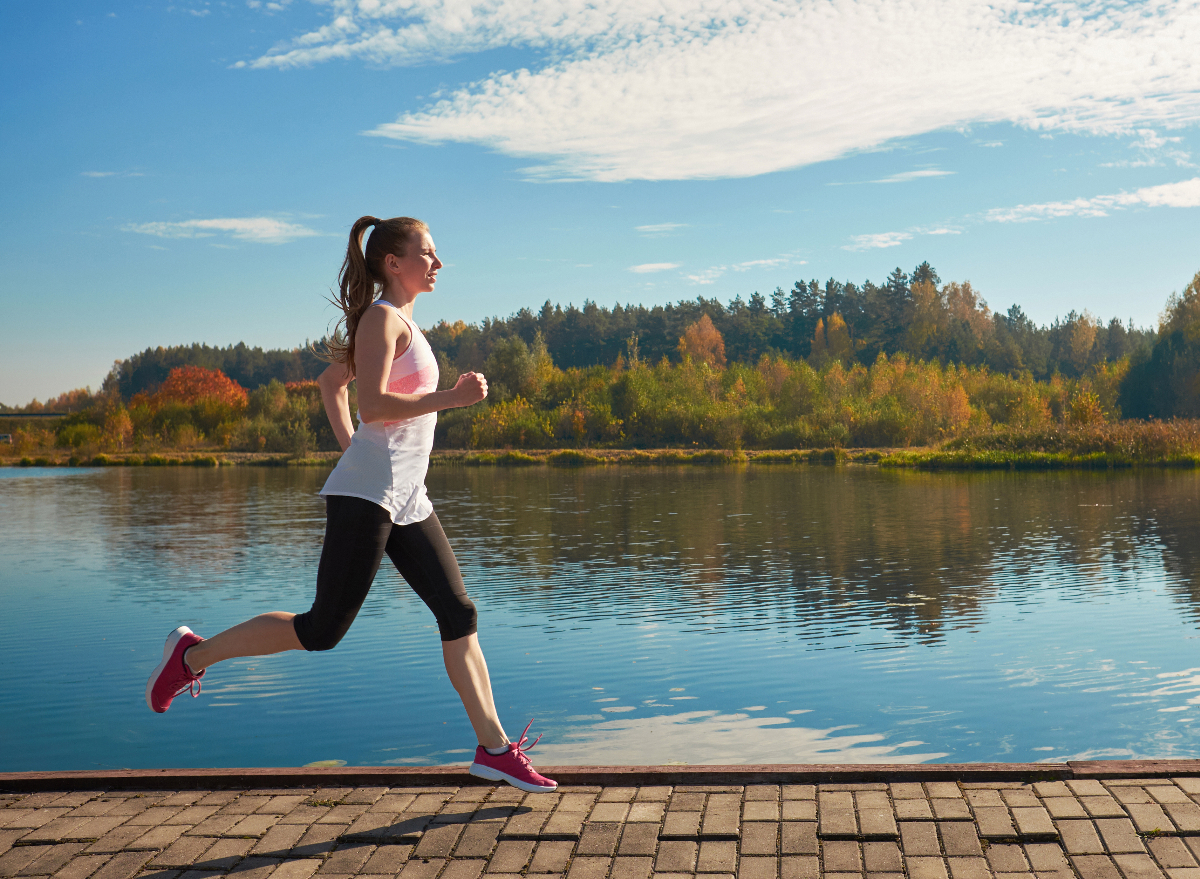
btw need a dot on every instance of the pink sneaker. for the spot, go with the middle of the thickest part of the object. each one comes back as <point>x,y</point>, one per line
<point>172,677</point>
<point>512,766</point>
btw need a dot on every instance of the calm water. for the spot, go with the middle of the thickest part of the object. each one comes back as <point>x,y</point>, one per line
<point>657,615</point>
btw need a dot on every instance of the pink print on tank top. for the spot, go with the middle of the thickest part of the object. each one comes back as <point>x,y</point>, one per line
<point>423,381</point>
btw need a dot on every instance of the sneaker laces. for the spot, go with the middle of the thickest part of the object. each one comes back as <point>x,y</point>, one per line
<point>519,751</point>
<point>193,685</point>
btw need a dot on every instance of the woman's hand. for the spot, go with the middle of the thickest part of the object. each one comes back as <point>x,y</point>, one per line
<point>470,388</point>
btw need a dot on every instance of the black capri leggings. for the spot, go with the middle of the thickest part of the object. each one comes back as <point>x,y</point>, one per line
<point>357,534</point>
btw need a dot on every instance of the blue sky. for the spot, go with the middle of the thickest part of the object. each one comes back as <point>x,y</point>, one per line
<point>189,171</point>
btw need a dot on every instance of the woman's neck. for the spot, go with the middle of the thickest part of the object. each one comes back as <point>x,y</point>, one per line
<point>403,301</point>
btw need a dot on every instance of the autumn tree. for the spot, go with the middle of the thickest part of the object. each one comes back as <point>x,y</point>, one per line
<point>193,384</point>
<point>702,342</point>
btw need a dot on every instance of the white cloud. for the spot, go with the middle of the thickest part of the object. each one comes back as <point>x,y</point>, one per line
<point>760,264</point>
<point>710,275</point>
<point>941,231</point>
<point>660,228</point>
<point>906,176</point>
<point>1155,149</point>
<point>879,239</point>
<point>647,267</point>
<point>111,174</point>
<point>265,230</point>
<point>1184,194</point>
<point>733,88</point>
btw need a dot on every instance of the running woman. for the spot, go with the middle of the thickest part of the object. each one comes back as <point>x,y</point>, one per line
<point>375,498</point>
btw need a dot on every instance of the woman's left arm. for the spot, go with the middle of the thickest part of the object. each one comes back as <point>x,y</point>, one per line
<point>333,383</point>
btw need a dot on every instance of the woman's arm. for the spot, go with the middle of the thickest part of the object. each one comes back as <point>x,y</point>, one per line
<point>333,383</point>
<point>380,334</point>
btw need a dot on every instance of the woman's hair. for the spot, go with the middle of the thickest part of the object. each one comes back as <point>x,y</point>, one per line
<point>361,275</point>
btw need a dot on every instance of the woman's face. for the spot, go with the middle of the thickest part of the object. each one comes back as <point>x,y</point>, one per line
<point>416,271</point>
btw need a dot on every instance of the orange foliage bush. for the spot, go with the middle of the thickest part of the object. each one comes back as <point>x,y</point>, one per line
<point>703,343</point>
<point>191,384</point>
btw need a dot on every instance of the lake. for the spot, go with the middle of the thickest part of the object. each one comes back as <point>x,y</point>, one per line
<point>762,614</point>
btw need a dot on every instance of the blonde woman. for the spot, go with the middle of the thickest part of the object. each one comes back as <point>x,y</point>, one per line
<point>375,498</point>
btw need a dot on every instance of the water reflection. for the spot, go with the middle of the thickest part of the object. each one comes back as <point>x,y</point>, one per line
<point>693,615</point>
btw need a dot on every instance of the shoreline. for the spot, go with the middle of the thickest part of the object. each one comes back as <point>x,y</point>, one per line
<point>913,459</point>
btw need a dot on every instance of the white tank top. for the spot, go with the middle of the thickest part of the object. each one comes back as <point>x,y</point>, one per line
<point>387,460</point>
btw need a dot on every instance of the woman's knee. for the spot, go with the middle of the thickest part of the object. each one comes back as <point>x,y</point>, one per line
<point>319,634</point>
<point>458,619</point>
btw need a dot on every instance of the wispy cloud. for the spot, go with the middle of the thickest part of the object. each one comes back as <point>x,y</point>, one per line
<point>711,274</point>
<point>111,174</point>
<point>648,267</point>
<point>264,230</point>
<point>659,228</point>
<point>1183,194</point>
<point>1154,150</point>
<point>730,88</point>
<point>877,240</point>
<point>909,176</point>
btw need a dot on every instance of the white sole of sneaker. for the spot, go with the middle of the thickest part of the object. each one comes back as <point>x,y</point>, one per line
<point>168,649</point>
<point>496,775</point>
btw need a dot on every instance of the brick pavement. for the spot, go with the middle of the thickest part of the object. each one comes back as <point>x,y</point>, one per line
<point>1093,828</point>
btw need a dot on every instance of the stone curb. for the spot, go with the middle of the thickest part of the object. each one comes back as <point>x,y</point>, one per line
<point>363,776</point>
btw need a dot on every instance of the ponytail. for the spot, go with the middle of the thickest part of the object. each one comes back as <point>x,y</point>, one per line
<point>361,275</point>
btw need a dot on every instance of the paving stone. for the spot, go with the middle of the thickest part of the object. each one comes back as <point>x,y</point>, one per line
<point>319,839</point>
<point>217,825</point>
<point>717,857</point>
<point>589,868</point>
<point>253,825</point>
<point>907,790</point>
<point>758,868</point>
<point>798,838</point>
<point>1170,851</point>
<point>913,810</point>
<point>157,838</point>
<point>1005,858</point>
<point>760,810</point>
<point>59,829</point>
<point>760,838</point>
<point>225,854</point>
<point>393,803</point>
<point>969,868</point>
<point>944,809</point>
<point>994,823</point>
<point>610,812</point>
<point>116,840</point>
<point>681,825</point>
<point>631,868</point>
<point>676,857</point>
<point>799,810</point>
<point>123,865</point>
<point>1020,796</point>
<point>1119,836</point>
<point>686,802</point>
<point>918,838</point>
<point>618,794</point>
<point>1102,807</point>
<point>798,791</point>
<point>1130,795</point>
<point>464,869</point>
<point>1046,857</point>
<point>16,859</point>
<point>598,839</point>
<point>1137,867</point>
<point>1033,822</point>
<point>389,859</point>
<point>641,812</point>
<point>1183,872</point>
<point>52,858</point>
<point>638,839</point>
<point>438,841</point>
<point>524,825</point>
<point>81,867</point>
<point>1087,787</point>
<point>551,856</point>
<point>420,868</point>
<point>1064,807</point>
<point>801,868</point>
<point>960,839</point>
<point>653,793</point>
<point>565,824</point>
<point>184,851</point>
<point>578,803</point>
<point>722,816</point>
<point>279,840</point>
<point>835,814</point>
<point>925,868</point>
<point>841,856</point>
<point>477,841</point>
<point>1186,816</point>
<point>985,797</point>
<point>510,856</point>
<point>762,792</point>
<point>1079,837</point>
<point>943,789</point>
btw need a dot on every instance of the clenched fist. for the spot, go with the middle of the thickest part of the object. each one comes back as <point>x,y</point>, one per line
<point>470,388</point>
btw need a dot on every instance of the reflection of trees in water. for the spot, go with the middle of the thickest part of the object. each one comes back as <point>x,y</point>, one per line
<point>824,550</point>
<point>190,528</point>
<point>817,550</point>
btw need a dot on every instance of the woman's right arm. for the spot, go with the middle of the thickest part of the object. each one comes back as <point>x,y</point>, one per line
<point>333,383</point>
